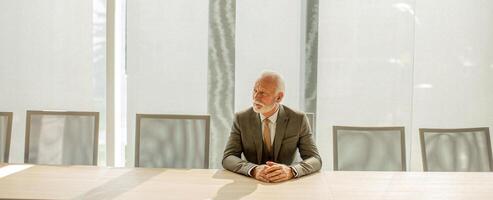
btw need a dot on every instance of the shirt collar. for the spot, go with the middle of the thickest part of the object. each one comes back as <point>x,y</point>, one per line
<point>273,117</point>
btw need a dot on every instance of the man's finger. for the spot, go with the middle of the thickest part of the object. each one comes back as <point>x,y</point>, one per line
<point>274,173</point>
<point>260,178</point>
<point>273,168</point>
<point>278,178</point>
<point>262,173</point>
<point>265,176</point>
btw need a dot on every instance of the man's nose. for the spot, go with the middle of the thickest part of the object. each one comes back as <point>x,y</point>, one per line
<point>255,95</point>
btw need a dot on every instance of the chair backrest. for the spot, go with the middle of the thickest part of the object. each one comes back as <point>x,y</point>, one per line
<point>172,141</point>
<point>61,138</point>
<point>369,148</point>
<point>465,149</point>
<point>5,134</point>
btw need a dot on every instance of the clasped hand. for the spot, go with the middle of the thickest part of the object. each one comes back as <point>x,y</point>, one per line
<point>272,172</point>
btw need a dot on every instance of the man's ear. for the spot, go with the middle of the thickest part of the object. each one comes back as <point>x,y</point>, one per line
<point>280,96</point>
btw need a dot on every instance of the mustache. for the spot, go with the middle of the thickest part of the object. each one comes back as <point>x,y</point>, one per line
<point>258,102</point>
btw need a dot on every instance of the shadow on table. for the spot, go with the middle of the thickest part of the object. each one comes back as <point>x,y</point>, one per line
<point>121,184</point>
<point>239,188</point>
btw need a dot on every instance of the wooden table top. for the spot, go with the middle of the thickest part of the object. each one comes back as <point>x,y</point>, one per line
<point>89,182</point>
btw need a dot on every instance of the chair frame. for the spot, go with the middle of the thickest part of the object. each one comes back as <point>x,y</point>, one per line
<point>207,119</point>
<point>422,132</point>
<point>8,136</point>
<point>401,129</point>
<point>30,113</point>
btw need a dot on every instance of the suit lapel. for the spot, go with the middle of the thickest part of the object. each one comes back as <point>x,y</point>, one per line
<point>257,135</point>
<point>281,123</point>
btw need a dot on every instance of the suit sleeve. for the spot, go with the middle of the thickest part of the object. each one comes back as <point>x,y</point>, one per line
<point>308,150</point>
<point>232,153</point>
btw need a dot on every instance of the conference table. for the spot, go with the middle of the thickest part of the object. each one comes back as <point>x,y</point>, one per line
<point>24,181</point>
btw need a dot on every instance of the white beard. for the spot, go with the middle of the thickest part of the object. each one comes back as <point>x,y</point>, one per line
<point>264,108</point>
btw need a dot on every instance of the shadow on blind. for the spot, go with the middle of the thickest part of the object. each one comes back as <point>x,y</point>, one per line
<point>456,150</point>
<point>172,141</point>
<point>61,138</point>
<point>369,148</point>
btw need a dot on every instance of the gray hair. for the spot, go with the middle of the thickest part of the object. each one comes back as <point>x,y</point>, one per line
<point>276,77</point>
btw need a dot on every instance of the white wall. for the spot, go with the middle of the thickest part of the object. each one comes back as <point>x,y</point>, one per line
<point>267,38</point>
<point>166,60</point>
<point>46,61</point>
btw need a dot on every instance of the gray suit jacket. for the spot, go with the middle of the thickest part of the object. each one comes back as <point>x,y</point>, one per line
<point>292,132</point>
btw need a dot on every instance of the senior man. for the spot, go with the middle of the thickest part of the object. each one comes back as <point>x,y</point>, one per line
<point>268,135</point>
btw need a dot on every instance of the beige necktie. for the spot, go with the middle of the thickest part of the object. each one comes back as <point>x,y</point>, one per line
<point>267,135</point>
